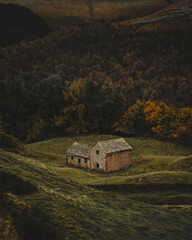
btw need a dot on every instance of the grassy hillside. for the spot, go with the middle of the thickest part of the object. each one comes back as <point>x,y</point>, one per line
<point>62,209</point>
<point>141,146</point>
<point>156,165</point>
<point>59,12</point>
<point>150,157</point>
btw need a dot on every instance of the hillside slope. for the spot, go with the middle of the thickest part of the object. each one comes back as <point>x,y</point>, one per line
<point>158,174</point>
<point>178,14</point>
<point>61,209</point>
<point>19,23</point>
<point>61,12</point>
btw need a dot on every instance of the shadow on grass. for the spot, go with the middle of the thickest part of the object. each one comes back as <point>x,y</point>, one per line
<point>15,184</point>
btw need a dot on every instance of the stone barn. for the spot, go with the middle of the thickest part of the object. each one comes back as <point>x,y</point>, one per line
<point>107,156</point>
<point>111,155</point>
<point>79,155</point>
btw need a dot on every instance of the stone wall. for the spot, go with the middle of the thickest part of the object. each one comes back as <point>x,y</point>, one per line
<point>97,156</point>
<point>100,161</point>
<point>79,161</point>
<point>118,160</point>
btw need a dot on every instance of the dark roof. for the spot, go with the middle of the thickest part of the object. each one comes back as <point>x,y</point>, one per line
<point>79,149</point>
<point>115,145</point>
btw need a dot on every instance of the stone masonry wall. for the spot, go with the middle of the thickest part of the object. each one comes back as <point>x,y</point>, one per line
<point>78,161</point>
<point>97,156</point>
<point>118,160</point>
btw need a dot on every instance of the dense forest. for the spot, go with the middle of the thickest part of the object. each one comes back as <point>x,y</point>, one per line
<point>82,78</point>
<point>18,23</point>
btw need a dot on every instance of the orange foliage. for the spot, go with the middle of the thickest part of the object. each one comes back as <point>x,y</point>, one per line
<point>158,118</point>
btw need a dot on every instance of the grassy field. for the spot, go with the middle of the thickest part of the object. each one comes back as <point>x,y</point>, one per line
<point>141,146</point>
<point>153,161</point>
<point>151,158</point>
<point>58,208</point>
<point>61,12</point>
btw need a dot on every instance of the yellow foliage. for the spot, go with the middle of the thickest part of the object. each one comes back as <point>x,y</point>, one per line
<point>76,91</point>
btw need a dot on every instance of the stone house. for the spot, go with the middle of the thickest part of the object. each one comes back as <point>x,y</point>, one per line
<point>107,156</point>
<point>79,155</point>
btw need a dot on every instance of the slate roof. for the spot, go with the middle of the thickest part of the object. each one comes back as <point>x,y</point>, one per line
<point>79,149</point>
<point>115,145</point>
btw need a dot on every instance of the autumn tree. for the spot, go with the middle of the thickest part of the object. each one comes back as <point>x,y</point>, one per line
<point>159,119</point>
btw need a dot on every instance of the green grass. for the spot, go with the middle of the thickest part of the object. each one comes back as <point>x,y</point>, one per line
<point>72,210</point>
<point>141,146</point>
<point>153,177</point>
<point>162,154</point>
<point>160,198</point>
<point>156,177</point>
<point>64,209</point>
<point>50,159</point>
<point>149,163</point>
<point>182,164</point>
<point>186,209</point>
<point>153,161</point>
<point>60,145</point>
<point>122,177</point>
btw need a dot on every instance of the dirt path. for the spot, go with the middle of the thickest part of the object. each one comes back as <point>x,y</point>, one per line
<point>125,22</point>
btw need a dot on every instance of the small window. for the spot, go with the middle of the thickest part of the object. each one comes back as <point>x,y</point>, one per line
<point>97,151</point>
<point>79,160</point>
<point>85,160</point>
<point>71,157</point>
<point>97,165</point>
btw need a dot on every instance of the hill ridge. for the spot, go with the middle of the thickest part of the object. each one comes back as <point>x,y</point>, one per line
<point>19,23</point>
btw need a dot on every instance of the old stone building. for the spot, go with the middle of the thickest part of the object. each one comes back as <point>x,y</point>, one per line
<point>107,156</point>
<point>79,155</point>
